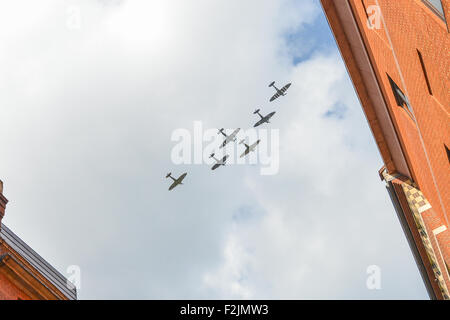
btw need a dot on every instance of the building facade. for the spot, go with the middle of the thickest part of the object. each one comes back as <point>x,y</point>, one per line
<point>24,275</point>
<point>397,55</point>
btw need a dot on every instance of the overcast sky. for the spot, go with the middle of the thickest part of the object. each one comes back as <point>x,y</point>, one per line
<point>90,94</point>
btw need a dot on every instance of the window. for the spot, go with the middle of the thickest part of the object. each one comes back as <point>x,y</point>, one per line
<point>424,72</point>
<point>448,153</point>
<point>436,7</point>
<point>401,98</point>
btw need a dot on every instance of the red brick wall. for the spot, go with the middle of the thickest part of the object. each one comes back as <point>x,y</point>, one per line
<point>409,26</point>
<point>406,28</point>
<point>8,291</point>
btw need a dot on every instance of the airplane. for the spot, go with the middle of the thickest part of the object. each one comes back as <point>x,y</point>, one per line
<point>218,162</point>
<point>280,92</point>
<point>231,137</point>
<point>176,181</point>
<point>264,119</point>
<point>248,148</point>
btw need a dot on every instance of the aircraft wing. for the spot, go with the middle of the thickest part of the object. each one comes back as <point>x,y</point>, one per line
<point>276,95</point>
<point>284,89</point>
<point>258,123</point>
<point>224,143</point>
<point>181,178</point>
<point>245,152</point>
<point>173,185</point>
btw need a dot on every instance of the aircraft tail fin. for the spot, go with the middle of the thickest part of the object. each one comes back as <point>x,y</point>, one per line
<point>168,175</point>
<point>271,84</point>
<point>256,111</point>
<point>220,131</point>
<point>212,155</point>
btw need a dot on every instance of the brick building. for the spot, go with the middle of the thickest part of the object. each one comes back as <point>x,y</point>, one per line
<point>397,55</point>
<point>24,274</point>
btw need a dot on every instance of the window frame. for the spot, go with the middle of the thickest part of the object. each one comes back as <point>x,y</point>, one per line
<point>400,98</point>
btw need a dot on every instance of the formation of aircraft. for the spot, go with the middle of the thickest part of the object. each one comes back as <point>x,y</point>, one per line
<point>232,137</point>
<point>176,181</point>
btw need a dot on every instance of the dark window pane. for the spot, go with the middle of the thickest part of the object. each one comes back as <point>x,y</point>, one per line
<point>400,97</point>
<point>448,153</point>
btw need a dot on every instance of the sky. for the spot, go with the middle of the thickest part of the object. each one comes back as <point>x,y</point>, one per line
<point>91,93</point>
